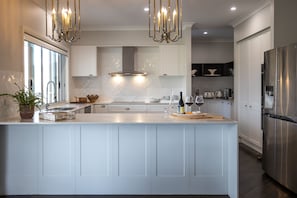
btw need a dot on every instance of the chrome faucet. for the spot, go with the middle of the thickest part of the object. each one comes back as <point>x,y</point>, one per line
<point>47,93</point>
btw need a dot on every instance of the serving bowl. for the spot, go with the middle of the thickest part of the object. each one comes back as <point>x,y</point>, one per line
<point>92,98</point>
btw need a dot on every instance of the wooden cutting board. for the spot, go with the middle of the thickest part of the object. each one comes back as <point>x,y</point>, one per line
<point>207,116</point>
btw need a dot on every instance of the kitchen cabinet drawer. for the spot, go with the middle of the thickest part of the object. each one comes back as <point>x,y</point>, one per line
<point>156,108</point>
<point>126,108</point>
<point>100,108</point>
<point>220,107</point>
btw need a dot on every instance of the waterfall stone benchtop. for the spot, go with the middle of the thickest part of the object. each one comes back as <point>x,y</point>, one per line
<point>118,118</point>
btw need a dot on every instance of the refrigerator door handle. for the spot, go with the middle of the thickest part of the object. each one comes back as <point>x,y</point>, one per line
<point>280,117</point>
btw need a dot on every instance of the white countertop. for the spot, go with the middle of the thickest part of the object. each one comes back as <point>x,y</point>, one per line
<point>118,118</point>
<point>162,102</point>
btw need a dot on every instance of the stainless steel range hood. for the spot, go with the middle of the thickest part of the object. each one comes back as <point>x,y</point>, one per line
<point>128,64</point>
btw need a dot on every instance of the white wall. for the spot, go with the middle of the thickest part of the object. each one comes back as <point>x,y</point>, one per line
<point>285,27</point>
<point>212,52</point>
<point>11,35</point>
<point>257,22</point>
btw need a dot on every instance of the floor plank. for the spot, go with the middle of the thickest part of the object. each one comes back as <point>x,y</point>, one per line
<point>253,182</point>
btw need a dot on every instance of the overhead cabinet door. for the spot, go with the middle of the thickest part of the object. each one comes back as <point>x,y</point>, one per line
<point>172,60</point>
<point>83,61</point>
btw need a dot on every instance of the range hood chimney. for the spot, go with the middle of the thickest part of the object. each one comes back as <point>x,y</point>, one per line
<point>128,64</point>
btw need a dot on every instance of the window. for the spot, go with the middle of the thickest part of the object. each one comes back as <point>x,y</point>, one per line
<point>45,72</point>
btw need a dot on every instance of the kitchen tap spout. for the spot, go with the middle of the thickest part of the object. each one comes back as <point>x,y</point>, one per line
<point>47,93</point>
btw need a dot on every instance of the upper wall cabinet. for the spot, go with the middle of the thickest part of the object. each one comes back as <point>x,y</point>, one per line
<point>172,60</point>
<point>83,61</point>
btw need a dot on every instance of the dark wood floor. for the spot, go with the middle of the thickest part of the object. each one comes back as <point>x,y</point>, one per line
<point>253,183</point>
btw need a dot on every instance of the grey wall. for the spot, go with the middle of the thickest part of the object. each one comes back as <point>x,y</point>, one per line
<point>212,52</point>
<point>285,26</point>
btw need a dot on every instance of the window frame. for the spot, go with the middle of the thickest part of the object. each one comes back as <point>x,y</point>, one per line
<point>60,56</point>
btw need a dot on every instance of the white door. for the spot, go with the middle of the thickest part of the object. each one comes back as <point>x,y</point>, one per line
<point>251,57</point>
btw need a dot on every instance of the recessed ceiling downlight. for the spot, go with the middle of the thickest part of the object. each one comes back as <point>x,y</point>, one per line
<point>233,8</point>
<point>205,33</point>
<point>146,9</point>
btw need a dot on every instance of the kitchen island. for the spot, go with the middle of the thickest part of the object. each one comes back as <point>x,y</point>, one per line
<point>125,153</point>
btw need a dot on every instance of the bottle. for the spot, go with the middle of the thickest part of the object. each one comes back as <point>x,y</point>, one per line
<point>181,104</point>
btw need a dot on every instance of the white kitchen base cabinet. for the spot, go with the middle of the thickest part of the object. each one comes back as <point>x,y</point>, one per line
<point>119,159</point>
<point>220,107</point>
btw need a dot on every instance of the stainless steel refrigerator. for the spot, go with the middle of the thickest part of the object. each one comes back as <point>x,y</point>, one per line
<point>279,115</point>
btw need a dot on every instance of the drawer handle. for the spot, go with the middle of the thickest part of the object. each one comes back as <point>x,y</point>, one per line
<point>127,109</point>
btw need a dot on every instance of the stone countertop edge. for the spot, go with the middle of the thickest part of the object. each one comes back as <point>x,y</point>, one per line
<point>116,118</point>
<point>131,103</point>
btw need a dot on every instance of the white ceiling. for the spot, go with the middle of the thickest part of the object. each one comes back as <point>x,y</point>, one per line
<point>213,16</point>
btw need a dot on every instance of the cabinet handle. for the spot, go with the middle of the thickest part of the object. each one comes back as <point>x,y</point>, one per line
<point>164,74</point>
<point>245,105</point>
<point>102,106</point>
<point>127,109</point>
<point>250,106</point>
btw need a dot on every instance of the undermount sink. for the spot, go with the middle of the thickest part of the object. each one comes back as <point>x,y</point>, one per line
<point>57,109</point>
<point>63,108</point>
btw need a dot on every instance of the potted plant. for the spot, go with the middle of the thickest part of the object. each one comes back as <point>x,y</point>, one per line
<point>27,101</point>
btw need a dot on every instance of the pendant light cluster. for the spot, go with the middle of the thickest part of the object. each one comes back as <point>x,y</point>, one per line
<point>165,20</point>
<point>63,20</point>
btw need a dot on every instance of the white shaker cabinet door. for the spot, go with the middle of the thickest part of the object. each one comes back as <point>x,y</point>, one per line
<point>131,158</point>
<point>93,160</point>
<point>20,159</point>
<point>56,171</point>
<point>208,160</point>
<point>170,163</point>
<point>83,61</point>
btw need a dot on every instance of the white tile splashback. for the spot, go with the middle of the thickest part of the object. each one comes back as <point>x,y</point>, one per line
<point>8,107</point>
<point>127,88</point>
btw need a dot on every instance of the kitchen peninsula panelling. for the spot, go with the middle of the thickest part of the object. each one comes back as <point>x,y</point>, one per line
<point>109,154</point>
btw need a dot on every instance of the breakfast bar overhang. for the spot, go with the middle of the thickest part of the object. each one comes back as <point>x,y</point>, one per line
<point>127,154</point>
